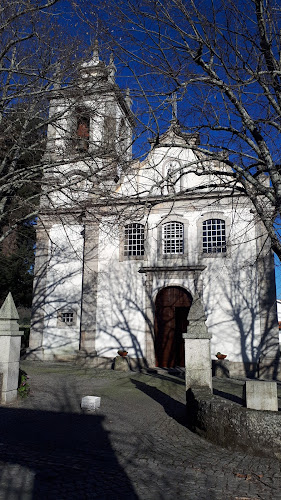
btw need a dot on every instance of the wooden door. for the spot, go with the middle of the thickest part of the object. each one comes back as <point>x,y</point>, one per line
<point>171,310</point>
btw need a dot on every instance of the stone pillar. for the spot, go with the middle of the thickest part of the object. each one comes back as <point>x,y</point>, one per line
<point>10,341</point>
<point>198,364</point>
<point>149,323</point>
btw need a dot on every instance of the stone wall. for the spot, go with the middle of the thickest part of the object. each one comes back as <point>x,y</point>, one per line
<point>265,369</point>
<point>233,426</point>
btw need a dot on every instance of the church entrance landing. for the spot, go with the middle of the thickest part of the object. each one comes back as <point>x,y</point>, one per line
<point>171,309</point>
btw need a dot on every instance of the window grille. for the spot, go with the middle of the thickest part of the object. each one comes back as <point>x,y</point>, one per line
<point>67,317</point>
<point>172,235</point>
<point>134,240</point>
<point>214,240</point>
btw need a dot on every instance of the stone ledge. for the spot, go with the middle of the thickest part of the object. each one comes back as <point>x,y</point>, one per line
<point>232,426</point>
<point>231,369</point>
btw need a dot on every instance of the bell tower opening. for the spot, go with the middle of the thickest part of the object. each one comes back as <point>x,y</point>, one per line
<point>82,131</point>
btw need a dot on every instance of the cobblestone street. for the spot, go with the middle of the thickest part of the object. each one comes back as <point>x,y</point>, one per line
<point>134,447</point>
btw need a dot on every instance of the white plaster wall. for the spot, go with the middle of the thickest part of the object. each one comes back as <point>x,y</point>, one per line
<point>64,286</point>
<point>151,176</point>
<point>229,286</point>
<point>232,311</point>
<point>230,292</point>
<point>120,300</point>
<point>61,125</point>
<point>97,120</point>
<point>74,183</point>
<point>126,149</point>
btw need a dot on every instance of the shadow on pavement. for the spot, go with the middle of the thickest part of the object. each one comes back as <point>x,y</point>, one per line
<point>229,396</point>
<point>177,377</point>
<point>48,455</point>
<point>172,407</point>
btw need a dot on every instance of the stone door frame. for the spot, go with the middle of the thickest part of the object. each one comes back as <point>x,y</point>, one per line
<point>156,278</point>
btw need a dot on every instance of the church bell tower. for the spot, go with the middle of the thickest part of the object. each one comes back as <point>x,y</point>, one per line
<point>89,141</point>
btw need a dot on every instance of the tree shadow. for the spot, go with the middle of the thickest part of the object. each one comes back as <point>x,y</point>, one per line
<point>120,315</point>
<point>177,374</point>
<point>51,449</point>
<point>174,409</point>
<point>65,455</point>
<point>229,396</point>
<point>248,311</point>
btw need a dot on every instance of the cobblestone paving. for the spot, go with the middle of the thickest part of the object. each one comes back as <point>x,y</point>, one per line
<point>135,447</point>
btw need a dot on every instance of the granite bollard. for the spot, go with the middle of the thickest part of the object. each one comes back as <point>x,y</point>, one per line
<point>90,403</point>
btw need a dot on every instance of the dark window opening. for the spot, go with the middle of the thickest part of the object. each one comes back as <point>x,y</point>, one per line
<point>67,317</point>
<point>83,132</point>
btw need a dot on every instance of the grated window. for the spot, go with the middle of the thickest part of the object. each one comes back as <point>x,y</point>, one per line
<point>134,240</point>
<point>67,317</point>
<point>172,235</point>
<point>214,240</point>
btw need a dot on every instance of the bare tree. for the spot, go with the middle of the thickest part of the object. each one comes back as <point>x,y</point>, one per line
<point>222,60</point>
<point>37,55</point>
<point>221,65</point>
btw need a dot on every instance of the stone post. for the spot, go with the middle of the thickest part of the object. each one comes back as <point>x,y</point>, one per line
<point>10,341</point>
<point>198,364</point>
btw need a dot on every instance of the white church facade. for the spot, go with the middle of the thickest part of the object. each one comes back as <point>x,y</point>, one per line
<point>123,246</point>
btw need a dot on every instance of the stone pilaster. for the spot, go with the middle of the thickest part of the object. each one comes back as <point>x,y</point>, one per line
<point>149,323</point>
<point>39,293</point>
<point>269,337</point>
<point>89,291</point>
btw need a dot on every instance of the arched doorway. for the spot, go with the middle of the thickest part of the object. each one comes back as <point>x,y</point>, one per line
<point>171,309</point>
